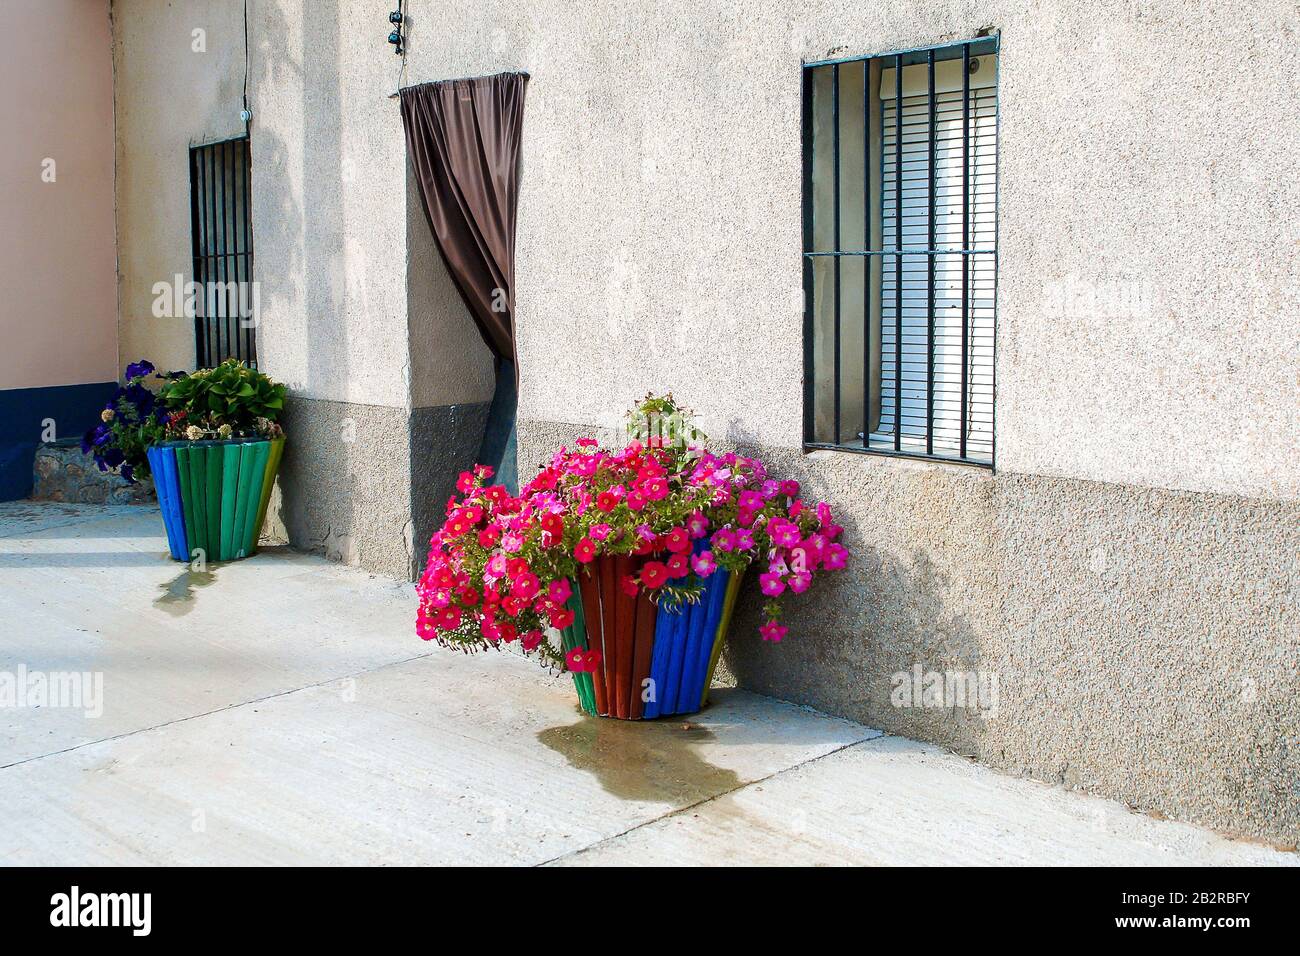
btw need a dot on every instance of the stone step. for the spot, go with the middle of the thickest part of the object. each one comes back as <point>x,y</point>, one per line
<point>62,473</point>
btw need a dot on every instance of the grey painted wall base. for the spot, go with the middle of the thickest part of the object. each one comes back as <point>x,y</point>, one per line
<point>362,484</point>
<point>445,440</point>
<point>1143,644</point>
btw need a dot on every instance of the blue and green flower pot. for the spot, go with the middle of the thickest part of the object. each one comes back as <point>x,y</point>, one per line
<point>213,494</point>
<point>654,662</point>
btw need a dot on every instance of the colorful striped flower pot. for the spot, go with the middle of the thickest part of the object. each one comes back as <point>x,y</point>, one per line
<point>213,494</point>
<point>654,662</point>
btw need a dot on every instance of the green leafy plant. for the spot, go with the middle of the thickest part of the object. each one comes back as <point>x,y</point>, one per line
<point>659,421</point>
<point>229,401</point>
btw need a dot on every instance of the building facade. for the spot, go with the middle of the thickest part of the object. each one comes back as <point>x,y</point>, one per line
<point>1119,565</point>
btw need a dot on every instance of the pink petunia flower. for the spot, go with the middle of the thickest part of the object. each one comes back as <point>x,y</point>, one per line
<point>559,591</point>
<point>837,557</point>
<point>771,584</point>
<point>724,540</point>
<point>697,525</point>
<point>772,631</point>
<point>704,564</point>
<point>785,534</point>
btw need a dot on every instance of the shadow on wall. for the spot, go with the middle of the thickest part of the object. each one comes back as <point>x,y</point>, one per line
<point>500,437</point>
<point>1135,642</point>
<point>316,481</point>
<point>878,643</point>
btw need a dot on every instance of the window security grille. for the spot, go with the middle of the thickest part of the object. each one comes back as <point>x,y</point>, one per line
<point>222,239</point>
<point>900,252</point>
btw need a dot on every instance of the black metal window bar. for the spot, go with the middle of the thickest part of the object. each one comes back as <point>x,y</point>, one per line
<point>222,239</point>
<point>900,252</point>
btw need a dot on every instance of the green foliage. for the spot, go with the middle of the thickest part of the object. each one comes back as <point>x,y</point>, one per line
<point>231,400</point>
<point>658,420</point>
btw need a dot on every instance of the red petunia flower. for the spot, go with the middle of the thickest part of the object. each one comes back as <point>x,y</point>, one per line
<point>677,540</point>
<point>678,566</point>
<point>525,586</point>
<point>457,524</point>
<point>654,575</point>
<point>582,660</point>
<point>628,584</point>
<point>585,550</point>
<point>552,524</point>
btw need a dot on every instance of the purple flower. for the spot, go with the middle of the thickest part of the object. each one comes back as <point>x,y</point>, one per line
<point>141,398</point>
<point>139,369</point>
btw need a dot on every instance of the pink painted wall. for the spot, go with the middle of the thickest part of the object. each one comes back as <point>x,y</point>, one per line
<point>58,291</point>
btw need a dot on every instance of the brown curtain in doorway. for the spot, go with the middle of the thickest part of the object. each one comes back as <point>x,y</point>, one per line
<point>463,139</point>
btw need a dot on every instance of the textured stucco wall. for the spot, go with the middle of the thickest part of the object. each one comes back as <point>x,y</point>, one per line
<point>1146,304</point>
<point>359,316</point>
<point>173,89</point>
<point>57,300</point>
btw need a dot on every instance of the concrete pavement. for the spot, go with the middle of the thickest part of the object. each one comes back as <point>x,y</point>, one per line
<point>281,710</point>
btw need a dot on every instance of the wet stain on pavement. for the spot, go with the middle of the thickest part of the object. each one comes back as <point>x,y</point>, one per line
<point>644,760</point>
<point>178,593</point>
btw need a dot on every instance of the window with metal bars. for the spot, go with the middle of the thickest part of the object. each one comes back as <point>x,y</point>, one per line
<point>900,252</point>
<point>221,233</point>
